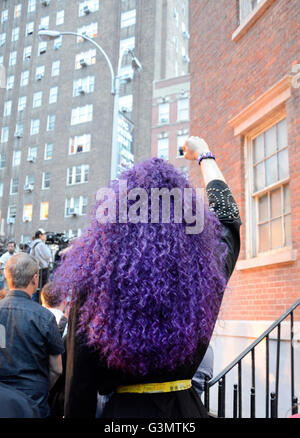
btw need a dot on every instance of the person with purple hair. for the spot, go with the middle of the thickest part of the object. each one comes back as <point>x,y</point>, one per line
<point>146,296</point>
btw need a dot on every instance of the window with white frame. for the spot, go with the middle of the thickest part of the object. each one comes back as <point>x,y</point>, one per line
<point>83,85</point>
<point>2,160</point>
<point>126,103</point>
<point>34,126</point>
<point>163,148</point>
<point>60,17</point>
<point>128,18</point>
<point>14,185</point>
<point>32,153</point>
<point>7,108</point>
<point>127,43</point>
<point>27,213</point>
<point>181,139</point>
<point>27,52</point>
<point>19,129</point>
<point>4,16</point>
<point>29,181</point>
<point>42,47</point>
<point>12,212</point>
<point>84,59</point>
<point>4,134</point>
<point>90,30</point>
<point>163,112</point>
<point>24,78</point>
<point>55,68</point>
<point>22,103</point>
<point>270,192</point>
<point>46,180</point>
<point>88,6</point>
<point>1,189</point>
<point>2,39</point>
<point>31,5</point>
<point>37,99</point>
<point>16,158</point>
<point>12,58</point>
<point>76,206</point>
<point>246,7</point>
<point>78,174</point>
<point>53,94</point>
<point>57,43</point>
<point>17,11</point>
<point>10,82</point>
<point>29,28</point>
<point>82,114</point>
<point>15,34</point>
<point>51,122</point>
<point>44,211</point>
<point>48,151</point>
<point>79,143</point>
<point>183,109</point>
<point>44,23</point>
<point>39,72</point>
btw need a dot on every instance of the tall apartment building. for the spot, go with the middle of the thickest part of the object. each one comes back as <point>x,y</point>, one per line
<point>56,113</point>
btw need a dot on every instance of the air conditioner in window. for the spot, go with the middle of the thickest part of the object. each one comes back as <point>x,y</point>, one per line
<point>31,159</point>
<point>43,50</point>
<point>18,134</point>
<point>45,2</point>
<point>86,10</point>
<point>29,32</point>
<point>39,76</point>
<point>11,220</point>
<point>72,211</point>
<point>83,62</point>
<point>28,187</point>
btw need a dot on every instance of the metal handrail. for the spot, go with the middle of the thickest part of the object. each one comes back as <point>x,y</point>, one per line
<point>237,391</point>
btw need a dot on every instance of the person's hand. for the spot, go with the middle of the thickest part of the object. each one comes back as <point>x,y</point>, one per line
<point>193,147</point>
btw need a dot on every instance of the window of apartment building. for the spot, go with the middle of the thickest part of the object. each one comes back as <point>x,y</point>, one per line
<point>183,109</point>
<point>127,43</point>
<point>12,58</point>
<point>246,7</point>
<point>1,189</point>
<point>14,186</point>
<point>181,138</point>
<point>29,28</point>
<point>17,11</point>
<point>83,85</point>
<point>4,16</point>
<point>31,5</point>
<point>42,47</point>
<point>44,24</point>
<point>48,151</point>
<point>27,52</point>
<point>32,153</point>
<point>76,206</point>
<point>11,213</point>
<point>2,160</point>
<point>22,103</point>
<point>4,134</point>
<point>163,112</point>
<point>82,114</point>
<point>80,143</point>
<point>46,180</point>
<point>88,6</point>
<point>55,68</point>
<point>90,30</point>
<point>39,72</point>
<point>71,234</point>
<point>24,78</point>
<point>27,213</point>
<point>34,126</point>
<point>37,99</point>
<point>57,43</point>
<point>44,212</point>
<point>60,17</point>
<point>53,94</point>
<point>16,158</point>
<point>128,18</point>
<point>163,148</point>
<point>19,130</point>
<point>270,188</point>
<point>78,174</point>
<point>2,39</point>
<point>128,5</point>
<point>29,182</point>
<point>15,34</point>
<point>7,108</point>
<point>84,59</point>
<point>126,103</point>
<point>51,122</point>
<point>10,82</point>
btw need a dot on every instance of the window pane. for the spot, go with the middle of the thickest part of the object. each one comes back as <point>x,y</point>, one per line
<point>283,160</point>
<point>263,237</point>
<point>288,229</point>
<point>286,196</point>
<point>282,134</point>
<point>259,178</point>
<point>276,203</point>
<point>270,140</point>
<point>276,233</point>
<point>258,148</point>
<point>263,208</point>
<point>271,170</point>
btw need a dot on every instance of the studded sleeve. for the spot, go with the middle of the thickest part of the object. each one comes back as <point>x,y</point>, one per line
<point>222,203</point>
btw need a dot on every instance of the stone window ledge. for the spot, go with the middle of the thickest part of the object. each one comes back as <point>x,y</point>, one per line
<point>286,255</point>
<point>257,12</point>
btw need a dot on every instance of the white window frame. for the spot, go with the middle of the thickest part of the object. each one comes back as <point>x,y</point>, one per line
<point>93,6</point>
<point>4,134</point>
<point>78,141</point>
<point>51,122</point>
<point>31,5</point>
<point>29,28</point>
<point>7,108</point>
<point>128,18</point>
<point>17,11</point>
<point>14,184</point>
<point>39,72</point>
<point>34,126</point>
<point>73,173</point>
<point>27,52</point>
<point>44,180</point>
<point>79,204</point>
<point>46,156</point>
<point>82,114</point>
<point>37,99</point>
<point>41,208</point>
<point>183,111</point>
<point>42,48</point>
<point>27,212</point>
<point>24,78</point>
<point>164,113</point>
<point>22,103</point>
<point>53,94</point>
<point>55,70</point>
<point>89,58</point>
<point>4,16</point>
<point>60,17</point>
<point>10,82</point>
<point>44,23</point>
<point>12,58</point>
<point>15,34</point>
<point>32,152</point>
<point>90,30</point>
<point>2,38</point>
<point>163,144</point>
<point>87,85</point>
<point>17,156</point>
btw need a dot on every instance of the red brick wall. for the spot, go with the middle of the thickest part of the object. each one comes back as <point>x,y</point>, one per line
<point>226,76</point>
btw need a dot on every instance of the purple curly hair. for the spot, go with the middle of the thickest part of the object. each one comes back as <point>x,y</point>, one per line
<point>149,292</point>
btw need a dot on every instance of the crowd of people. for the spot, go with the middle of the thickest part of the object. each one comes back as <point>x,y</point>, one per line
<point>123,327</point>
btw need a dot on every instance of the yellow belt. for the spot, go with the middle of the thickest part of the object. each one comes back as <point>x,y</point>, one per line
<point>177,385</point>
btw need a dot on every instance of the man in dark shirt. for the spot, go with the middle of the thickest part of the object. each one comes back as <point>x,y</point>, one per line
<point>30,342</point>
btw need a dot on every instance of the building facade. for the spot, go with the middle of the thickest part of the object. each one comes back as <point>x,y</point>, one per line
<point>245,101</point>
<point>56,112</point>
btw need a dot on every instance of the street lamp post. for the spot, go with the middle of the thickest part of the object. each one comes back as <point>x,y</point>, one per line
<point>115,84</point>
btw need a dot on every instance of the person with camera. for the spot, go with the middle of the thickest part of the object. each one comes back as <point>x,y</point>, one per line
<point>42,253</point>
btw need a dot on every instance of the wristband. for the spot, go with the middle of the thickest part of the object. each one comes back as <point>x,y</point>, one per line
<point>205,155</point>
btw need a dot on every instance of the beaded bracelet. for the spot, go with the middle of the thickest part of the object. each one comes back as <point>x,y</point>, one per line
<point>205,155</point>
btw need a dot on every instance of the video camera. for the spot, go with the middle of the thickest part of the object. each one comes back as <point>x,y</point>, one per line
<point>56,239</point>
